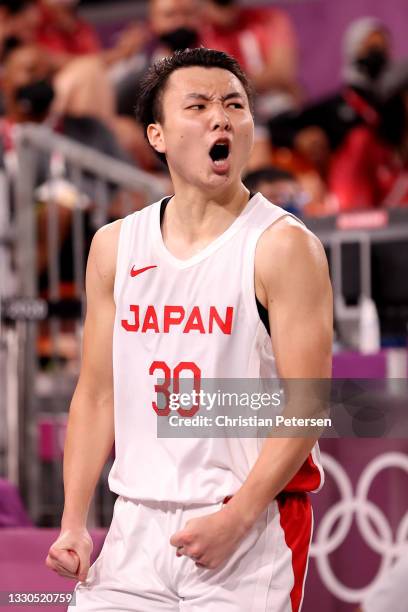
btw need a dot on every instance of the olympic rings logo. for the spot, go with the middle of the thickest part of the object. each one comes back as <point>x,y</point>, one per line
<point>365,511</point>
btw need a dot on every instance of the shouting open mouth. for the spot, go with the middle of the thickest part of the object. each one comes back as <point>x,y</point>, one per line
<point>220,154</point>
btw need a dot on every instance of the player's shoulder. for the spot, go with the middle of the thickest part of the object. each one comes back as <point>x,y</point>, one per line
<point>142,215</point>
<point>107,236</point>
<point>103,252</point>
<point>288,241</point>
<point>285,230</point>
<point>105,243</point>
<point>288,254</point>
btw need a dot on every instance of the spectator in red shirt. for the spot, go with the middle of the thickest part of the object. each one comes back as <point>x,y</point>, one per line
<point>264,42</point>
<point>62,31</point>
<point>371,169</point>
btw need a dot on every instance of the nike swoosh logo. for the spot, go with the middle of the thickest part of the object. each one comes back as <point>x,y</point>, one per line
<point>134,272</point>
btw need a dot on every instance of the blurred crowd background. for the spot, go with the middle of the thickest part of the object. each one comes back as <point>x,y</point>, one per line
<point>346,148</point>
<point>331,147</point>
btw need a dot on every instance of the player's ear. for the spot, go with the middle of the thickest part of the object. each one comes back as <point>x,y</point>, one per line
<point>155,137</point>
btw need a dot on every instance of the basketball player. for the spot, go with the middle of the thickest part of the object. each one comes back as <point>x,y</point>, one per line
<point>212,282</point>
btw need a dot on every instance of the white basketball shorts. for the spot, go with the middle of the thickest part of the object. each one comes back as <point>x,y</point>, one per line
<point>137,569</point>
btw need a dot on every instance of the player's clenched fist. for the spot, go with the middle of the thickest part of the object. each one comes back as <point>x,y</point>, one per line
<point>70,554</point>
<point>210,540</point>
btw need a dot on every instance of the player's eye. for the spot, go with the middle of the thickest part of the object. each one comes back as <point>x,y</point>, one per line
<point>236,105</point>
<point>196,107</point>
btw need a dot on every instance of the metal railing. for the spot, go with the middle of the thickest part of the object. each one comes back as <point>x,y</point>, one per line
<point>391,226</point>
<point>80,191</point>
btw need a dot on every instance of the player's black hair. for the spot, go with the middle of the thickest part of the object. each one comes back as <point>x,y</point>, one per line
<point>149,108</point>
<point>15,6</point>
<point>270,174</point>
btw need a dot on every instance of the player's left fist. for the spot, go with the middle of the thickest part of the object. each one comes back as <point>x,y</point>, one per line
<point>210,540</point>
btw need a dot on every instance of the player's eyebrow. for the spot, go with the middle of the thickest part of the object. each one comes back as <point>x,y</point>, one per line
<point>233,94</point>
<point>201,96</point>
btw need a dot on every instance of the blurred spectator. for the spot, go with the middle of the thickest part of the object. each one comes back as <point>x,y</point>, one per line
<point>78,81</point>
<point>367,57</point>
<point>278,186</point>
<point>63,32</point>
<point>316,134</point>
<point>264,42</point>
<point>172,25</point>
<point>310,167</point>
<point>28,95</point>
<point>367,54</point>
<point>371,169</point>
<point>79,84</point>
<point>67,36</point>
<point>29,92</point>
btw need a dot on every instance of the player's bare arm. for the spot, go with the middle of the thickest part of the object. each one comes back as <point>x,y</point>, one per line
<point>292,280</point>
<point>90,430</point>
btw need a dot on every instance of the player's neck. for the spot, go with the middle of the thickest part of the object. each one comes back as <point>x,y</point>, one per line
<point>195,219</point>
<point>192,201</point>
<point>193,209</point>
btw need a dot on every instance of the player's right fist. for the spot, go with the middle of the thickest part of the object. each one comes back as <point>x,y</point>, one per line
<point>70,554</point>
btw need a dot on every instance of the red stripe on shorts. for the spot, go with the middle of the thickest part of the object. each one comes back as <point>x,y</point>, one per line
<point>296,521</point>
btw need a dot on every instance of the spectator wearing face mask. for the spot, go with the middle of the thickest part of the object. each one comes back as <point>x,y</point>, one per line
<point>172,25</point>
<point>367,53</point>
<point>53,24</point>
<point>370,169</point>
<point>317,133</point>
<point>28,92</point>
<point>78,62</point>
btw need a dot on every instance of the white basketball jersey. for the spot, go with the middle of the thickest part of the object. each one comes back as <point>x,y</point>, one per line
<point>186,318</point>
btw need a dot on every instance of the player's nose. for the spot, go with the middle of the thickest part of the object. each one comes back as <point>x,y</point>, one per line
<point>219,118</point>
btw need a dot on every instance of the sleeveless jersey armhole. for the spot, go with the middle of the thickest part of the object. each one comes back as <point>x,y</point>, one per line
<point>263,315</point>
<point>253,304</point>
<point>124,247</point>
<point>262,310</point>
